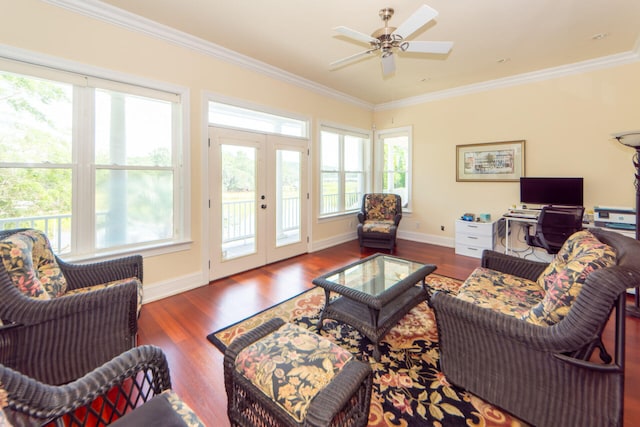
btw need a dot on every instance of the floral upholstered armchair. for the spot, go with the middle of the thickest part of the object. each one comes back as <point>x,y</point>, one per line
<point>61,320</point>
<point>521,334</point>
<point>379,218</point>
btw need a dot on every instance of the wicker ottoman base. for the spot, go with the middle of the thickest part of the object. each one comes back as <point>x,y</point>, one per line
<point>338,393</point>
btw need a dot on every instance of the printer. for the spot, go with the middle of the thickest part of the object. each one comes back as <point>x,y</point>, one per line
<point>621,218</point>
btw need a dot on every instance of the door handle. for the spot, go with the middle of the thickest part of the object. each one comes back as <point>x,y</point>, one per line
<point>263,206</point>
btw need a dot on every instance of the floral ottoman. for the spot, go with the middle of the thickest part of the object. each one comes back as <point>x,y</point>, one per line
<point>280,374</point>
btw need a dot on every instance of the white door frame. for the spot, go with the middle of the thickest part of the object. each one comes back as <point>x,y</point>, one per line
<point>266,146</point>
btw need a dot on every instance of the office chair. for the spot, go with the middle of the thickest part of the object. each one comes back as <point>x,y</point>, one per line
<point>555,225</point>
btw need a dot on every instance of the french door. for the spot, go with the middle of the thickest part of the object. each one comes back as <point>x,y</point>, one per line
<point>259,200</point>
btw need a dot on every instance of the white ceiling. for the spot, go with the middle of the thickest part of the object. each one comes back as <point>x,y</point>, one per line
<point>493,39</point>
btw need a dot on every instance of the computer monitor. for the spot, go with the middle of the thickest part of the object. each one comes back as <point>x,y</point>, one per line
<point>552,191</point>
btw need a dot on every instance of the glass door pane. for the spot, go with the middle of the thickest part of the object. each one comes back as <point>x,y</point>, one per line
<point>239,168</point>
<point>288,197</point>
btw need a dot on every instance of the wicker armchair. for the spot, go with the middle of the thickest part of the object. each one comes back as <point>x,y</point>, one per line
<point>62,337</point>
<point>545,375</point>
<point>132,389</point>
<point>379,218</point>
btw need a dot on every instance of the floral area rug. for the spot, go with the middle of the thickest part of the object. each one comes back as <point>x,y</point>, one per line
<point>408,388</point>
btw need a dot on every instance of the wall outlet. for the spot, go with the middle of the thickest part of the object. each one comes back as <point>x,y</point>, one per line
<point>417,225</point>
<point>442,228</point>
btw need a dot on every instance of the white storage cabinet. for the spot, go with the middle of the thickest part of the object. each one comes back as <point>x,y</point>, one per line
<point>474,237</point>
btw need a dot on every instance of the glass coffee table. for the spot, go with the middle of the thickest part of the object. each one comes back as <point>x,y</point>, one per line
<point>375,293</point>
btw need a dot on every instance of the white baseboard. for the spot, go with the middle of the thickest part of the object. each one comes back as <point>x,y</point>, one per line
<point>448,242</point>
<point>333,241</point>
<point>432,239</point>
<point>172,287</point>
<point>160,290</point>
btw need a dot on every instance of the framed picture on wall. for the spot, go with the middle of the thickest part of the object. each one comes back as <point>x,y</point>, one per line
<point>492,161</point>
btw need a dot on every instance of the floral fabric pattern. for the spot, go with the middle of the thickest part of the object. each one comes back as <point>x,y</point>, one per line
<point>188,416</point>
<point>501,292</point>
<point>548,300</point>
<point>28,258</point>
<point>109,284</point>
<point>562,280</point>
<point>382,226</point>
<point>380,207</point>
<point>408,387</point>
<point>291,366</point>
<point>16,252</point>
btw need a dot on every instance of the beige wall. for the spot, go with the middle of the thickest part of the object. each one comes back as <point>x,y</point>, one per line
<point>42,28</point>
<point>566,123</point>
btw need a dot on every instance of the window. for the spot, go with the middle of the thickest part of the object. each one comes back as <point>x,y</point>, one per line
<point>221,114</point>
<point>93,163</point>
<point>393,160</point>
<point>343,170</point>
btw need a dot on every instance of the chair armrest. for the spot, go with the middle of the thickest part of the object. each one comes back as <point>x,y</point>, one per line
<point>61,339</point>
<point>397,219</point>
<point>39,402</point>
<point>83,275</point>
<point>512,265</point>
<point>362,217</point>
<point>27,311</point>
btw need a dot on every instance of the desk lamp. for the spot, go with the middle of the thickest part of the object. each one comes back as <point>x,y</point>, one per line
<point>632,139</point>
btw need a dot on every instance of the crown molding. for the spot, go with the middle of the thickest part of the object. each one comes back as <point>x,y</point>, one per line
<point>535,76</point>
<point>98,10</point>
<point>104,12</point>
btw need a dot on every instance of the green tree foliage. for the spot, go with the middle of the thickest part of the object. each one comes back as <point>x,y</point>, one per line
<point>32,133</point>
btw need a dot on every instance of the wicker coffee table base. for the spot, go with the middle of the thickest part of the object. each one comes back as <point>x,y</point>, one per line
<point>372,323</point>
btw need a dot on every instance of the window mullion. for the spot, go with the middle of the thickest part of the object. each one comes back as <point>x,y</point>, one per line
<point>84,171</point>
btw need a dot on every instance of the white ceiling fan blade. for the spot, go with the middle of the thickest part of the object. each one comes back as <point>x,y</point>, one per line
<point>428,47</point>
<point>388,64</point>
<point>348,59</point>
<point>420,17</point>
<point>356,35</point>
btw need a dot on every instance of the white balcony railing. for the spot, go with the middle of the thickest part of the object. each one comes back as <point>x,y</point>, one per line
<point>237,220</point>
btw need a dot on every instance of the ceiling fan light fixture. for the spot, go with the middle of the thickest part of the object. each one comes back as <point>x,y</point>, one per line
<point>387,38</point>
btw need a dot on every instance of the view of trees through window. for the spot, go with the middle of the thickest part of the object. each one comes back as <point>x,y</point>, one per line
<point>35,149</point>
<point>120,173</point>
<point>343,179</point>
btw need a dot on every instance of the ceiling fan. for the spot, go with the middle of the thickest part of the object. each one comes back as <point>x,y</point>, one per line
<point>389,39</point>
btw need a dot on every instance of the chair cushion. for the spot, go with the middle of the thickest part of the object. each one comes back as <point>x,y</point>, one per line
<point>165,409</point>
<point>380,207</point>
<point>17,255</point>
<point>563,278</point>
<point>106,285</point>
<point>500,292</point>
<point>291,366</point>
<point>382,226</point>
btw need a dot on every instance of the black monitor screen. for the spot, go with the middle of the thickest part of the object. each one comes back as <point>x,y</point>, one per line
<point>552,191</point>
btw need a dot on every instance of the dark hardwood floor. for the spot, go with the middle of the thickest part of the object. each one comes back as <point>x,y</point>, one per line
<point>179,324</point>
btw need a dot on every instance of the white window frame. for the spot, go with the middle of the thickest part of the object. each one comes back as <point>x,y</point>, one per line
<point>234,114</point>
<point>84,78</point>
<point>380,136</point>
<point>343,131</point>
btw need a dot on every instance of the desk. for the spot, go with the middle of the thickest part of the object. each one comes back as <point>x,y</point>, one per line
<point>533,221</point>
<point>517,220</point>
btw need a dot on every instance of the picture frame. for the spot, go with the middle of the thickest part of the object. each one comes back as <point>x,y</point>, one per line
<point>491,162</point>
